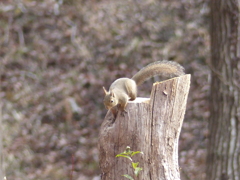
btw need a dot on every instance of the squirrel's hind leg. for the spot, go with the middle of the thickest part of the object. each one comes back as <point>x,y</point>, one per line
<point>131,88</point>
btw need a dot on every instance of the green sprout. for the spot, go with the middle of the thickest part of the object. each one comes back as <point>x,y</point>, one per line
<point>129,154</point>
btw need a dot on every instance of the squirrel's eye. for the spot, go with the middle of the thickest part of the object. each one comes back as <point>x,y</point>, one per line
<point>111,101</point>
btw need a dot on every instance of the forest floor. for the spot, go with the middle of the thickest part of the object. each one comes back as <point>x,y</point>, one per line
<point>55,57</point>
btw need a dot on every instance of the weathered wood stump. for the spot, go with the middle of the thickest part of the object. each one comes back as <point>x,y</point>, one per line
<point>151,126</point>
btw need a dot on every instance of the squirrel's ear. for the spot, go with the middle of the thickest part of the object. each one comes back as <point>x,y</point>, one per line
<point>105,91</point>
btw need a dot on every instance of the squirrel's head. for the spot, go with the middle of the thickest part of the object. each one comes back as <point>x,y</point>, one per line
<point>109,100</point>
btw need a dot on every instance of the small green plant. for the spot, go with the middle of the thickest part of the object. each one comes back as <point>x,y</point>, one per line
<point>129,154</point>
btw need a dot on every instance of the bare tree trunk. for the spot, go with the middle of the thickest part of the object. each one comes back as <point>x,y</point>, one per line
<point>223,160</point>
<point>1,145</point>
<point>151,126</point>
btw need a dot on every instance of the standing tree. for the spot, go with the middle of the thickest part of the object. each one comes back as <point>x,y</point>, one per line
<point>223,160</point>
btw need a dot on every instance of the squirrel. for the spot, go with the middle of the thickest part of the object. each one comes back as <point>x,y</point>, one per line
<point>124,89</point>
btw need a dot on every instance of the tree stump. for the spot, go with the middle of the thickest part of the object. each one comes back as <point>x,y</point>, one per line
<point>150,125</point>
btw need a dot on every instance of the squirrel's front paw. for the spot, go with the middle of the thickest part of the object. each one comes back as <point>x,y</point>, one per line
<point>123,112</point>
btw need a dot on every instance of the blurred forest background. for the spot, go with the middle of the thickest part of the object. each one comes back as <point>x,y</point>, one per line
<point>57,54</point>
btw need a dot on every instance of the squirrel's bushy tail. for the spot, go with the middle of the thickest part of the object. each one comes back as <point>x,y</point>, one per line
<point>166,69</point>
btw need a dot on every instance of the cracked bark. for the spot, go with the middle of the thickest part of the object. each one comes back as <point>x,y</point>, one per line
<point>223,159</point>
